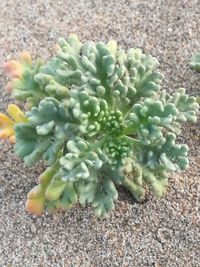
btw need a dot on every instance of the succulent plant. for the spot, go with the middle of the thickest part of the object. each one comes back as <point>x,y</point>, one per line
<point>98,118</point>
<point>195,65</point>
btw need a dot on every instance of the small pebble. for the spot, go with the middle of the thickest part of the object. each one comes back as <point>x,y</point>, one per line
<point>33,228</point>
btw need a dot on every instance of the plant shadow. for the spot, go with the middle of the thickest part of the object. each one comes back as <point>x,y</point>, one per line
<point>125,195</point>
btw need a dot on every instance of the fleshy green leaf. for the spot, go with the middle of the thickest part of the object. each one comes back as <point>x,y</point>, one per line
<point>98,117</point>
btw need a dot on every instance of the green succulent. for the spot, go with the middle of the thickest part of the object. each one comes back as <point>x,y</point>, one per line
<point>100,119</point>
<point>195,65</point>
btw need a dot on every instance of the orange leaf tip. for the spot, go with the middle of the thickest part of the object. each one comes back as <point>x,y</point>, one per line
<point>26,57</point>
<point>13,67</point>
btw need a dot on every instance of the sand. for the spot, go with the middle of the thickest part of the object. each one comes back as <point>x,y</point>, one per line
<point>159,233</point>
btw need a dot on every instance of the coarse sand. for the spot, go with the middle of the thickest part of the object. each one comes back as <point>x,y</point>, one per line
<point>159,233</point>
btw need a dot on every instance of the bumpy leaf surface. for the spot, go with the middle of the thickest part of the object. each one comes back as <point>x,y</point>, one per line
<point>98,117</point>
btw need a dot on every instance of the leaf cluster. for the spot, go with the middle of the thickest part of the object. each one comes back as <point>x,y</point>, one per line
<point>98,119</point>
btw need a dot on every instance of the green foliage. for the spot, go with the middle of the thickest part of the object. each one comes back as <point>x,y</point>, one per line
<point>195,65</point>
<point>27,89</point>
<point>103,120</point>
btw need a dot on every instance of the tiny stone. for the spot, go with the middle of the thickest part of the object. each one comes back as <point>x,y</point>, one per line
<point>33,228</point>
<point>164,235</point>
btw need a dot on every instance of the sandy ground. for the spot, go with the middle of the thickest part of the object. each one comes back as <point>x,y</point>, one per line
<point>157,233</point>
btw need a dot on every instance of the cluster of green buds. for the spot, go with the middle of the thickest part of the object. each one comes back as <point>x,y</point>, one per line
<point>98,118</point>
